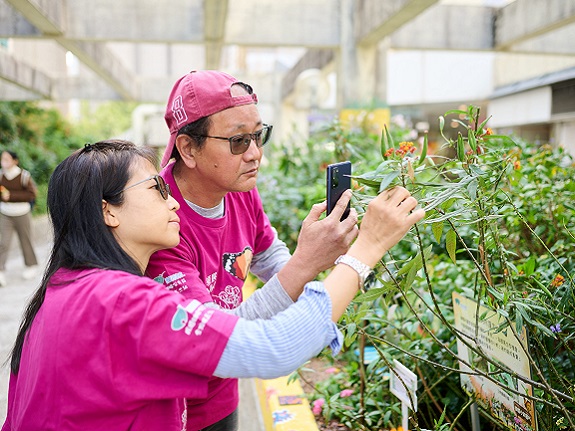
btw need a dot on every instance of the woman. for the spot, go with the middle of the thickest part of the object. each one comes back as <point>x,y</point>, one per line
<point>102,346</point>
<point>17,190</point>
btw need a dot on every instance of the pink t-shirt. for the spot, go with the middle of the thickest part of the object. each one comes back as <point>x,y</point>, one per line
<point>211,263</point>
<point>114,351</point>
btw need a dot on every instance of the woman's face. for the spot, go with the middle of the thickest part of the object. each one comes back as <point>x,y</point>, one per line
<point>7,161</point>
<point>145,222</point>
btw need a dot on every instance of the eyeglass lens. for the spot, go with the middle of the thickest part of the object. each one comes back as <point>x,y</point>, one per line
<point>162,187</point>
<point>239,144</point>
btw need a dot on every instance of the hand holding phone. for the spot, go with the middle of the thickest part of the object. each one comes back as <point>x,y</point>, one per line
<point>338,181</point>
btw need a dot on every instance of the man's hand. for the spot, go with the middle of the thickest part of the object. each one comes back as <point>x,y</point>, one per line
<point>320,242</point>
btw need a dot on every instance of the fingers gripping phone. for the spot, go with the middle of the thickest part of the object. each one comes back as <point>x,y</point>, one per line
<point>338,181</point>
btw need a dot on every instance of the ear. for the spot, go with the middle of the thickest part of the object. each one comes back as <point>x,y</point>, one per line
<point>109,214</point>
<point>187,149</point>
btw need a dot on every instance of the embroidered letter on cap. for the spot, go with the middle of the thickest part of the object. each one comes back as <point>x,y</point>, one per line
<point>179,111</point>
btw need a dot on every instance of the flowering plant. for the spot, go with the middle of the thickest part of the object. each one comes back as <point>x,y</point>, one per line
<point>499,230</point>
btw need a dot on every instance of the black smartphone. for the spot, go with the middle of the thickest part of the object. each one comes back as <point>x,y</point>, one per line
<point>338,181</point>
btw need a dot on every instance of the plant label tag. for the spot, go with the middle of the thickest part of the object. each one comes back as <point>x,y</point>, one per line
<point>403,384</point>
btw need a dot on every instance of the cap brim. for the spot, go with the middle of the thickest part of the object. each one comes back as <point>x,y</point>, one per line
<point>168,151</point>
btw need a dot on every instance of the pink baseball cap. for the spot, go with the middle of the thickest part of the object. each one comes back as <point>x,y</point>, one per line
<point>200,94</point>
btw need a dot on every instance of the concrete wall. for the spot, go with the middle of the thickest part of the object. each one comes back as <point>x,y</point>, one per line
<point>422,77</point>
<point>528,107</point>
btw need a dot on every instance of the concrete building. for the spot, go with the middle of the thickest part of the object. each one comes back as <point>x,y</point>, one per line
<point>305,58</point>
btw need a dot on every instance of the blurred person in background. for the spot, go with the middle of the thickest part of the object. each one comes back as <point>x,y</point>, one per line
<point>17,191</point>
<point>216,143</point>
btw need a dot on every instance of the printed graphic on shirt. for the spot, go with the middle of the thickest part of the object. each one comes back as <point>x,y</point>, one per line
<point>185,417</point>
<point>230,297</point>
<point>175,281</point>
<point>238,264</point>
<point>211,281</point>
<point>182,319</point>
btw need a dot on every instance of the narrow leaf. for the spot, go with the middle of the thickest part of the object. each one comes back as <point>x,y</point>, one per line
<point>471,139</point>
<point>411,277</point>
<point>371,294</point>
<point>423,151</point>
<point>387,180</point>
<point>441,126</point>
<point>450,244</point>
<point>389,139</point>
<point>482,125</point>
<point>460,148</point>
<point>383,143</point>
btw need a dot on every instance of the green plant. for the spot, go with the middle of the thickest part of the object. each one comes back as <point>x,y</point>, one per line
<point>499,230</point>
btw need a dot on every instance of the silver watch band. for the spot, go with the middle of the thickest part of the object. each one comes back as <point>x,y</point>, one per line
<point>363,270</point>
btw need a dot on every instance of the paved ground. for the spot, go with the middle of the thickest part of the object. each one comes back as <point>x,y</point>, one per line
<point>15,296</point>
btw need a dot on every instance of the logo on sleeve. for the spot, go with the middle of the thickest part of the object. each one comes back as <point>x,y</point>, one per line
<point>194,315</point>
<point>238,264</point>
<point>175,281</point>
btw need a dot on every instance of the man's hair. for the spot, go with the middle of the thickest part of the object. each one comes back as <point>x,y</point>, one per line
<point>197,132</point>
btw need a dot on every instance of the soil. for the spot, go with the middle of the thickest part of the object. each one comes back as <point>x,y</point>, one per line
<point>308,379</point>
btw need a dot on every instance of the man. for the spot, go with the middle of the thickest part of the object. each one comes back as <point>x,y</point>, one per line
<point>216,142</point>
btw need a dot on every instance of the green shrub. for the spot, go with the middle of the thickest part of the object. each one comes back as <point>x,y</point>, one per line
<point>499,229</point>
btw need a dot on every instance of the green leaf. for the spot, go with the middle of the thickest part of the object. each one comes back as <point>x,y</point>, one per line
<point>411,276</point>
<point>423,154</point>
<point>504,138</point>
<point>441,126</point>
<point>416,262</point>
<point>450,242</point>
<point>476,170</point>
<point>388,139</point>
<point>529,266</point>
<point>437,229</point>
<point>383,142</point>
<point>367,182</point>
<point>350,334</point>
<point>482,125</point>
<point>460,147</point>
<point>387,180</point>
<point>371,294</point>
<point>405,267</point>
<point>472,189</point>
<point>456,111</point>
<point>471,140</point>
<point>542,287</point>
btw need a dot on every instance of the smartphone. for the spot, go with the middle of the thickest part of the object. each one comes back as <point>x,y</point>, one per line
<point>338,181</point>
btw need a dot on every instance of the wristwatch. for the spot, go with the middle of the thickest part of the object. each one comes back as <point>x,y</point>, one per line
<point>364,271</point>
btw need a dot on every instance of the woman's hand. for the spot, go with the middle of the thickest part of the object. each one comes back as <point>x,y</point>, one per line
<point>388,218</point>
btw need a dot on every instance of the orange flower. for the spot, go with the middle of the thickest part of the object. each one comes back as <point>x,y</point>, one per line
<point>558,281</point>
<point>388,153</point>
<point>405,146</point>
<point>516,165</point>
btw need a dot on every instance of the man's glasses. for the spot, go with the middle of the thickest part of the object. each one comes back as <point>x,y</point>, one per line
<point>160,186</point>
<point>239,144</point>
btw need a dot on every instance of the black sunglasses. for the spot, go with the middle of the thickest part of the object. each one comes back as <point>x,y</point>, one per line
<point>160,186</point>
<point>239,144</point>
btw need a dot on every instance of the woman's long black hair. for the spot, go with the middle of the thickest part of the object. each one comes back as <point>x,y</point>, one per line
<point>82,239</point>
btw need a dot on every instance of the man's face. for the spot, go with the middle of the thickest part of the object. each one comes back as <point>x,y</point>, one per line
<point>223,171</point>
